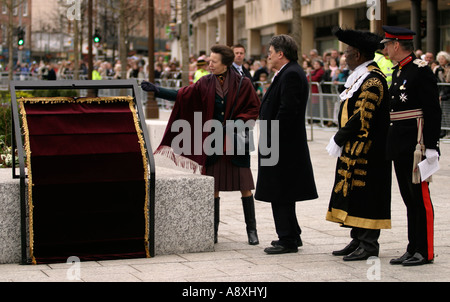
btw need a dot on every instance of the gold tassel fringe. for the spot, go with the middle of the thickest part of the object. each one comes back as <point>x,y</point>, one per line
<point>56,100</point>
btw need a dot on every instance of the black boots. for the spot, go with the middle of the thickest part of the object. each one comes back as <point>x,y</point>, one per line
<point>249,215</point>
<point>216,217</point>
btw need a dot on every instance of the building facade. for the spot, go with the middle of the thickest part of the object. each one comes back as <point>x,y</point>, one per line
<point>21,16</point>
<point>256,21</point>
<point>50,32</point>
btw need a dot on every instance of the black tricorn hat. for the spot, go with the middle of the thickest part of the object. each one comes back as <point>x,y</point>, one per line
<point>362,40</point>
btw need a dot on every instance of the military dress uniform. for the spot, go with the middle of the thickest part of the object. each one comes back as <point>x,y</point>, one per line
<point>414,128</point>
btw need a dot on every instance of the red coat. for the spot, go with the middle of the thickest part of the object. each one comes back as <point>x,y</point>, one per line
<point>316,76</point>
<point>200,97</point>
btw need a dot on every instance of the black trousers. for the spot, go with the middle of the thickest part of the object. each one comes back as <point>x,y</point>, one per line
<point>286,224</point>
<point>419,209</point>
<point>366,239</point>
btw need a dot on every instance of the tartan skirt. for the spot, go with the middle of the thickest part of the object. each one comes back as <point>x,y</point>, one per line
<point>228,177</point>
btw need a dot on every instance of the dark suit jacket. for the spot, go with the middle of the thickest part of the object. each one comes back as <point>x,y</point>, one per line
<point>246,73</point>
<point>291,177</point>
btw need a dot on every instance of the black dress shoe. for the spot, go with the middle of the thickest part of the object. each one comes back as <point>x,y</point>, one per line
<point>279,249</point>
<point>350,248</point>
<point>401,259</point>
<point>277,242</point>
<point>359,254</point>
<point>417,259</point>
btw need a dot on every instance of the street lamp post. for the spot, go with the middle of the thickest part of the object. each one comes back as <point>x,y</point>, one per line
<point>151,109</point>
<point>383,18</point>
<point>90,55</point>
<point>230,25</point>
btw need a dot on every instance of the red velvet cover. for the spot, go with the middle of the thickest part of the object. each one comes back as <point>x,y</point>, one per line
<point>88,170</point>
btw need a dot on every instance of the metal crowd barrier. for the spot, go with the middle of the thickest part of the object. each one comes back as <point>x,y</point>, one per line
<point>445,106</point>
<point>322,108</point>
<point>323,105</point>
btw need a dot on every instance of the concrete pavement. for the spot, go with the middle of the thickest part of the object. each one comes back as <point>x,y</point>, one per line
<point>235,261</point>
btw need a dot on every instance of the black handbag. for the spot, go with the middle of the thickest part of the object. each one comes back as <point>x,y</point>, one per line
<point>242,138</point>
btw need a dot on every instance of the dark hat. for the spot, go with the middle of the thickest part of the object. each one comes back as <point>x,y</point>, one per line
<point>361,40</point>
<point>201,62</point>
<point>394,33</point>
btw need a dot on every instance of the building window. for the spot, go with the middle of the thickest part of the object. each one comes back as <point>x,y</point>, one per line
<point>25,8</point>
<point>15,8</point>
<point>3,34</point>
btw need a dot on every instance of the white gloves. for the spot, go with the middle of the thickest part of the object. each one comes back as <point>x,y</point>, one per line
<point>432,155</point>
<point>333,149</point>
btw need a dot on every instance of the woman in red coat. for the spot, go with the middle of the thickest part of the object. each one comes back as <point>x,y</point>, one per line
<point>316,76</point>
<point>212,98</point>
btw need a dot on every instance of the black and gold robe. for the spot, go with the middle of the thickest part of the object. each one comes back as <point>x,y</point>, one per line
<point>361,195</point>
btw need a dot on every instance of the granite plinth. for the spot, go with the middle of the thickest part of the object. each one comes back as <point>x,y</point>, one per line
<point>10,247</point>
<point>184,210</point>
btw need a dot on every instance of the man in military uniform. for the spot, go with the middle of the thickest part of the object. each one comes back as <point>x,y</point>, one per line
<point>361,196</point>
<point>413,135</point>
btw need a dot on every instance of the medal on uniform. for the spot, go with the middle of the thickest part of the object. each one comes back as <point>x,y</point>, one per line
<point>403,97</point>
<point>398,72</point>
<point>403,85</point>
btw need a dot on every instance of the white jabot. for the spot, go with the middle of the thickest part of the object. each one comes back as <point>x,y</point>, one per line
<point>355,80</point>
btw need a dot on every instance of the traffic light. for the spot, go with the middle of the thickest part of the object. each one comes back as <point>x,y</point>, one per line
<point>20,37</point>
<point>97,37</point>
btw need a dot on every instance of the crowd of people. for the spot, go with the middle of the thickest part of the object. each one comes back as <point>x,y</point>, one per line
<point>65,69</point>
<point>326,73</point>
<point>327,67</point>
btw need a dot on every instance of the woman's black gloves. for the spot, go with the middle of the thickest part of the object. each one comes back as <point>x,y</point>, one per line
<point>147,86</point>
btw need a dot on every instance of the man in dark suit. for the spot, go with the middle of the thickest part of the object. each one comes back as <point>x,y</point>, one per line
<point>238,64</point>
<point>413,135</point>
<point>282,120</point>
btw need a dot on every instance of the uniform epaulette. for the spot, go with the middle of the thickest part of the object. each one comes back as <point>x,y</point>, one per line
<point>420,63</point>
<point>376,69</point>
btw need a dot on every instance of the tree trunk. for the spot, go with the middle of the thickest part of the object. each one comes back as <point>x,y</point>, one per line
<point>76,51</point>
<point>122,40</point>
<point>184,37</point>
<point>297,25</point>
<point>90,55</point>
<point>10,40</point>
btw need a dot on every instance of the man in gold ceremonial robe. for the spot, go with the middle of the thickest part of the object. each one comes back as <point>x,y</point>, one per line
<point>361,195</point>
